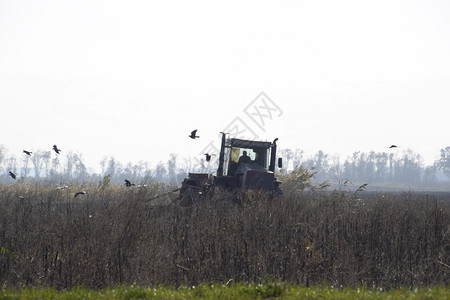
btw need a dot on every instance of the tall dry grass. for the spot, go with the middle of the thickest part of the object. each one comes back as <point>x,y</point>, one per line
<point>114,235</point>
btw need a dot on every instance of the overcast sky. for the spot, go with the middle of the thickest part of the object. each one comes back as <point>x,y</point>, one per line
<point>132,79</point>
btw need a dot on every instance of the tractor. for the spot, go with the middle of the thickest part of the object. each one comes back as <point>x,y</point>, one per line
<point>244,166</point>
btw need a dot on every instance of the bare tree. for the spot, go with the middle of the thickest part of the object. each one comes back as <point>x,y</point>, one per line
<point>381,166</point>
<point>320,163</point>
<point>38,161</point>
<point>2,156</point>
<point>46,155</point>
<point>103,165</point>
<point>80,168</point>
<point>336,169</point>
<point>25,168</point>
<point>70,161</point>
<point>297,157</point>
<point>429,174</point>
<point>171,168</point>
<point>287,155</point>
<point>160,172</point>
<point>114,167</point>
<point>11,164</point>
<point>188,164</point>
<point>444,162</point>
<point>54,172</point>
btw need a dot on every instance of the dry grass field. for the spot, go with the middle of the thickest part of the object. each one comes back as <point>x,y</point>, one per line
<point>118,236</point>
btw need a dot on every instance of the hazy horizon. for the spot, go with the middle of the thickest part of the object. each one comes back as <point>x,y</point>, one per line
<point>132,79</point>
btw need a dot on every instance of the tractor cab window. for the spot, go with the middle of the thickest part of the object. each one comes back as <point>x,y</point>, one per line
<point>262,157</point>
<point>243,155</point>
<point>259,156</point>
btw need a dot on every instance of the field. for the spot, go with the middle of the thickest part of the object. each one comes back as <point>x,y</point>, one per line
<point>117,236</point>
<point>232,291</point>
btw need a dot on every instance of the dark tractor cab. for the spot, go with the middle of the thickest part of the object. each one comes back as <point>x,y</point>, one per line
<point>244,165</point>
<point>247,165</point>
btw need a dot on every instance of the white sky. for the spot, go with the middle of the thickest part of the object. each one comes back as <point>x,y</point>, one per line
<point>131,79</point>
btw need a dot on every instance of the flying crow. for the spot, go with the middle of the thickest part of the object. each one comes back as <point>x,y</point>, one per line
<point>128,183</point>
<point>27,152</point>
<point>56,149</point>
<point>80,193</point>
<point>392,146</point>
<point>12,175</point>
<point>208,156</point>
<point>193,134</point>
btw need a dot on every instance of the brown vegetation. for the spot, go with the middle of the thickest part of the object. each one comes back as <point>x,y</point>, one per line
<point>114,235</point>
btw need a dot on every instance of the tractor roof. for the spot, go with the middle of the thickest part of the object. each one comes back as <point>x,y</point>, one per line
<point>249,144</point>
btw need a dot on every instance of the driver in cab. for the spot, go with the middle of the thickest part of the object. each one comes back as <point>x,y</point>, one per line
<point>245,158</point>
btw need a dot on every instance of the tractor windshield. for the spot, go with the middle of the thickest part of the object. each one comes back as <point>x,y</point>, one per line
<point>253,157</point>
<point>249,155</point>
<point>239,152</point>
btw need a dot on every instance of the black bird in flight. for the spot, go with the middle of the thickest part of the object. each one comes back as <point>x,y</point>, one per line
<point>56,149</point>
<point>12,175</point>
<point>80,193</point>
<point>27,152</point>
<point>193,134</point>
<point>208,156</point>
<point>128,183</point>
<point>392,146</point>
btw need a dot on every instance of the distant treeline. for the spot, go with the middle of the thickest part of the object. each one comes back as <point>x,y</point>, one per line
<point>372,167</point>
